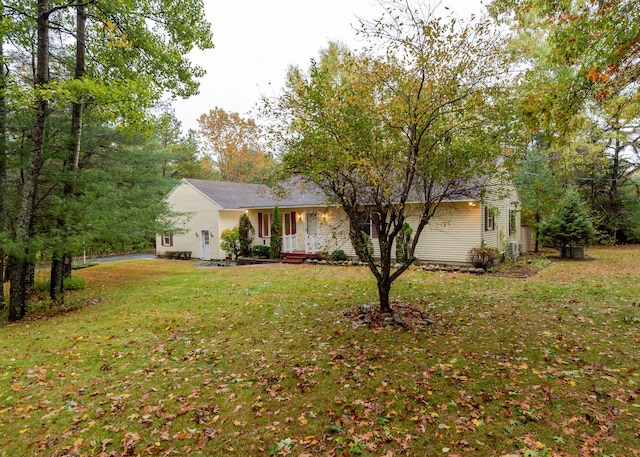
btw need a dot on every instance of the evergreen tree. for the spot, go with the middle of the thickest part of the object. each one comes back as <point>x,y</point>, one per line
<point>138,53</point>
<point>275,250</point>
<point>539,187</point>
<point>403,243</point>
<point>568,226</point>
<point>245,233</point>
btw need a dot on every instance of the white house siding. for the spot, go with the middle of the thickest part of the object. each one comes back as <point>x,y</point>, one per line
<point>253,217</point>
<point>456,228</point>
<point>502,199</point>
<point>335,229</point>
<point>202,213</point>
<point>227,219</point>
<point>448,238</point>
<point>451,233</point>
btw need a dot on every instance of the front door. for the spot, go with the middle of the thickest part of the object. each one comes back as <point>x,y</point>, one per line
<point>205,245</point>
<point>312,240</point>
<point>289,238</point>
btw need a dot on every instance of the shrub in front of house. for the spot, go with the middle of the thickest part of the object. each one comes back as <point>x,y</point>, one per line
<point>482,257</point>
<point>245,235</point>
<point>230,242</point>
<point>339,255</point>
<point>275,249</point>
<point>403,243</point>
<point>260,251</point>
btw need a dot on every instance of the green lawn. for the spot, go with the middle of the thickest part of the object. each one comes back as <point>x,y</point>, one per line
<point>166,358</point>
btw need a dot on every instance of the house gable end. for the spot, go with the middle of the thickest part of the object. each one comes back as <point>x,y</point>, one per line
<point>203,194</point>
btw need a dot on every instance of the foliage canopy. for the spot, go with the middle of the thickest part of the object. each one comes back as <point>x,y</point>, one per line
<point>416,122</point>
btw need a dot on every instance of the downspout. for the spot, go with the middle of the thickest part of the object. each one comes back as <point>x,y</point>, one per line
<point>497,227</point>
<point>482,220</point>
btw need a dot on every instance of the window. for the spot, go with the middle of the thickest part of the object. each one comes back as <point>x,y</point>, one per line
<point>264,225</point>
<point>289,223</point>
<point>512,221</point>
<point>489,219</point>
<point>167,239</point>
<point>312,224</point>
<point>369,228</point>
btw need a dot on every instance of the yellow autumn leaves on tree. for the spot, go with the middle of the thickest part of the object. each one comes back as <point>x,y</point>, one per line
<point>232,145</point>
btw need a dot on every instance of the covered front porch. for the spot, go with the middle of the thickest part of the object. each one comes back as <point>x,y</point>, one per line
<point>302,229</point>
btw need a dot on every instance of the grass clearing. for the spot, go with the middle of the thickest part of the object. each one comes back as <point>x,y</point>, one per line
<point>171,359</point>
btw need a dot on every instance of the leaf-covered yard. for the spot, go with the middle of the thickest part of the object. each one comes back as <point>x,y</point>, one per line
<point>170,359</point>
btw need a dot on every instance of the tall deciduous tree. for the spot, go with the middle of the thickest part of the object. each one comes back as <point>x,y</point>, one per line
<point>138,53</point>
<point>581,61</point>
<point>576,51</point>
<point>617,121</point>
<point>234,145</point>
<point>21,262</point>
<point>378,133</point>
<point>3,153</point>
<point>61,256</point>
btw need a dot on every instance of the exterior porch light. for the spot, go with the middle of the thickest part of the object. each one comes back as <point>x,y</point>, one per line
<point>472,203</point>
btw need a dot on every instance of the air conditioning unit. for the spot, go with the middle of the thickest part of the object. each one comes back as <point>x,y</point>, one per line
<point>514,249</point>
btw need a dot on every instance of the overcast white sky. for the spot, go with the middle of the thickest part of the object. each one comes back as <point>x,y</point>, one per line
<point>257,40</point>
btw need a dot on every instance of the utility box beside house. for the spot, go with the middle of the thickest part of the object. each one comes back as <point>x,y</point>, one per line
<point>526,239</point>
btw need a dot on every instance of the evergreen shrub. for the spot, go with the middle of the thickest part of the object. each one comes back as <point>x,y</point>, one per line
<point>339,255</point>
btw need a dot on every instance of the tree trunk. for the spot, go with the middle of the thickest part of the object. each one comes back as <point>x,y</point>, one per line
<point>537,233</point>
<point>384,280</point>
<point>3,160</point>
<point>56,281</point>
<point>62,258</point>
<point>77,108</point>
<point>19,293</point>
<point>66,267</point>
<point>21,266</point>
<point>384,289</point>
<point>614,204</point>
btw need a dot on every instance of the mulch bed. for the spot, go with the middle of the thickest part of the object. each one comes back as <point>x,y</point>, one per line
<point>403,315</point>
<point>514,270</point>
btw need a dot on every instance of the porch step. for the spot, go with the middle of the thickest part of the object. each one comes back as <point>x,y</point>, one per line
<point>293,260</point>
<point>297,257</point>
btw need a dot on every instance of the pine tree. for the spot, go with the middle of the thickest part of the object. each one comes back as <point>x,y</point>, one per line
<point>276,235</point>
<point>245,232</point>
<point>403,243</point>
<point>568,226</point>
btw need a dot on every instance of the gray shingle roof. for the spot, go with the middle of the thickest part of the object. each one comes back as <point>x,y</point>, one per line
<point>294,193</point>
<point>231,195</point>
